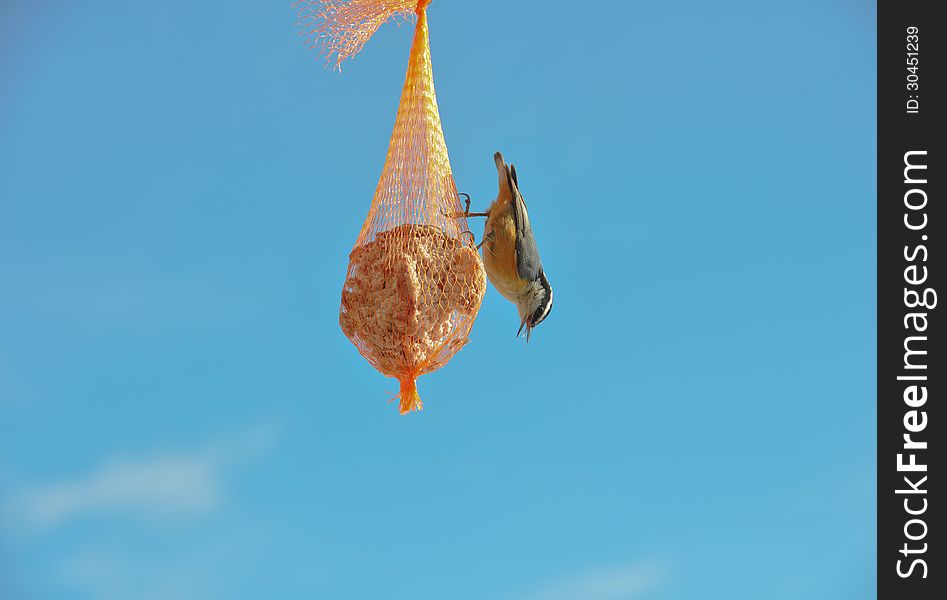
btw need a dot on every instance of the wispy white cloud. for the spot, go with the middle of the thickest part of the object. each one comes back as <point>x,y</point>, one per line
<point>162,485</point>
<point>176,484</point>
<point>627,582</point>
<point>109,572</point>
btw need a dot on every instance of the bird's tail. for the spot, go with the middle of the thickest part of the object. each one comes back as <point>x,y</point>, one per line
<point>503,175</point>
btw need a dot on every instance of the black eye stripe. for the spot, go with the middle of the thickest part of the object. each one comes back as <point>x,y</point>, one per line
<point>540,314</point>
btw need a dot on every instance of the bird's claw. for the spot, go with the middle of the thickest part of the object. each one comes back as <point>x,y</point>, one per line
<point>458,215</point>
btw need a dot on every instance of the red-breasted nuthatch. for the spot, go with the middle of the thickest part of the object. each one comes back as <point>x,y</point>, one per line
<point>510,256</point>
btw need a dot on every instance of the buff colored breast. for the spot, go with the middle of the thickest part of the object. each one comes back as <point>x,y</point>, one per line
<point>499,252</point>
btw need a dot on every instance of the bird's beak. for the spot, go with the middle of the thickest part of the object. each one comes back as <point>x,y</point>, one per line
<point>527,325</point>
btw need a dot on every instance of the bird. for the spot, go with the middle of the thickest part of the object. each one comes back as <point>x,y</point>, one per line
<point>510,253</point>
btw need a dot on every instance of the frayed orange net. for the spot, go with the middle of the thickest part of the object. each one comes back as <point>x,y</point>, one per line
<point>341,27</point>
<point>415,280</point>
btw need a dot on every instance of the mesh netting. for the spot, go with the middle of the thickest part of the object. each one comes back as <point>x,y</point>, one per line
<point>415,280</point>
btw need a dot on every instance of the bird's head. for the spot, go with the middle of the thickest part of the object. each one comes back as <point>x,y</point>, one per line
<point>535,305</point>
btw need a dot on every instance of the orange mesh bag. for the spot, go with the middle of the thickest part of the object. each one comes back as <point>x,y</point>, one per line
<point>415,280</point>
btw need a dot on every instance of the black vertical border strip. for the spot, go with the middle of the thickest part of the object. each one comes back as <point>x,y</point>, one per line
<point>900,132</point>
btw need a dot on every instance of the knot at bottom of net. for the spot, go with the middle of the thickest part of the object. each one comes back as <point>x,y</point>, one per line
<point>410,400</point>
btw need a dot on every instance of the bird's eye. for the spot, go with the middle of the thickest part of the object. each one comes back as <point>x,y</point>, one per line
<point>540,314</point>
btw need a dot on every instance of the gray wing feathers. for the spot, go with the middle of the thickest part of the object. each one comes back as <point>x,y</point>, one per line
<point>528,265</point>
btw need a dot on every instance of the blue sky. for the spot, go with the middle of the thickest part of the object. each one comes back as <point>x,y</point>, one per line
<point>181,417</point>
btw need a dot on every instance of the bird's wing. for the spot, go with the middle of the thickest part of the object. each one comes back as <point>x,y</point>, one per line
<point>528,265</point>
